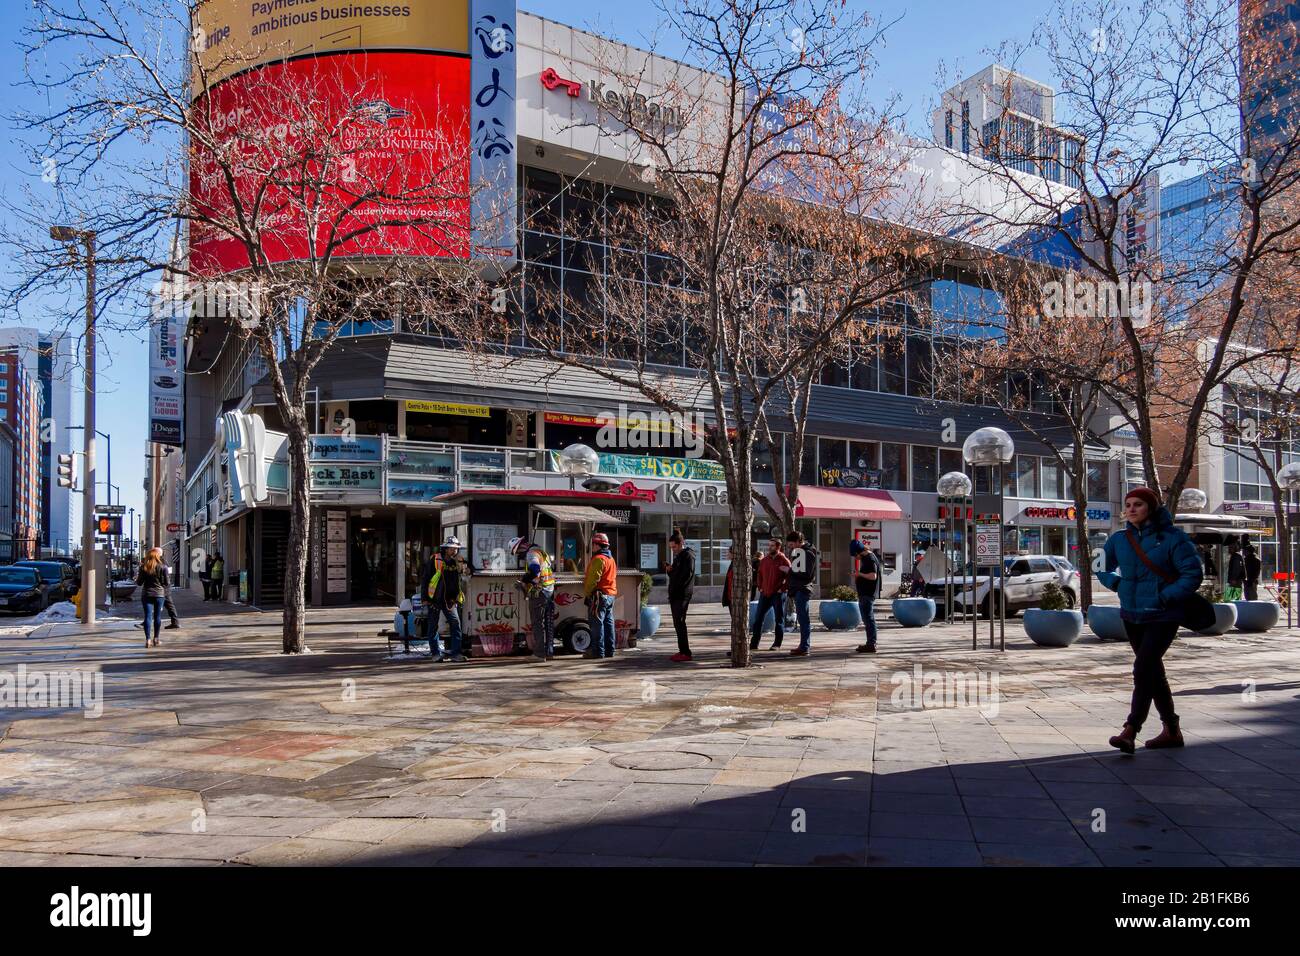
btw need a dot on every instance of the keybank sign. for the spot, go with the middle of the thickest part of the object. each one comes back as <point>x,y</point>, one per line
<point>623,104</point>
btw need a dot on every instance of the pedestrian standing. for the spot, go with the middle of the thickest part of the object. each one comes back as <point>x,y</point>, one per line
<point>152,581</point>
<point>1253,568</point>
<point>538,583</point>
<point>205,577</point>
<point>773,570</point>
<point>681,587</point>
<point>866,579</point>
<point>446,595</point>
<point>1236,573</point>
<point>218,572</point>
<point>1158,568</point>
<point>600,587</point>
<point>804,564</point>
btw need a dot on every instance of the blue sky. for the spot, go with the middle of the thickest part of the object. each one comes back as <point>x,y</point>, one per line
<point>928,35</point>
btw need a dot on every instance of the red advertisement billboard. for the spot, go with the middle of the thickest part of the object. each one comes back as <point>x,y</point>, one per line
<point>363,154</point>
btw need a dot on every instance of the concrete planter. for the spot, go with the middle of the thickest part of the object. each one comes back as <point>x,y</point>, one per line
<point>769,620</point>
<point>1254,617</point>
<point>1105,622</point>
<point>1053,628</point>
<point>840,615</point>
<point>651,617</point>
<point>1225,615</point>
<point>914,612</point>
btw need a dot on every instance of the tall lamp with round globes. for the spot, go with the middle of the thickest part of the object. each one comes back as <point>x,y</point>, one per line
<point>993,448</point>
<point>1288,477</point>
<point>955,487</point>
<point>578,461</point>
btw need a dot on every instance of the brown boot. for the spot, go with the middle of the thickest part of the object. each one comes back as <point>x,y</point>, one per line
<point>1125,739</point>
<point>1169,736</point>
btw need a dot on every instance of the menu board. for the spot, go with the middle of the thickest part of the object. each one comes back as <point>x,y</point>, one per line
<point>336,552</point>
<point>490,546</point>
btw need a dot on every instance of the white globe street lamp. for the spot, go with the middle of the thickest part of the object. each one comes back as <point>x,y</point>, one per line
<point>956,487</point>
<point>1193,500</point>
<point>992,447</point>
<point>578,461</point>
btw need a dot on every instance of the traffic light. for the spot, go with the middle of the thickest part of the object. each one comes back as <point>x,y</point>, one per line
<point>66,476</point>
<point>109,525</point>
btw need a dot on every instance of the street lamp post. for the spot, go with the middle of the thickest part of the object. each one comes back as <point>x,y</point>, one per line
<point>955,488</point>
<point>71,236</point>
<point>1288,477</point>
<point>992,447</point>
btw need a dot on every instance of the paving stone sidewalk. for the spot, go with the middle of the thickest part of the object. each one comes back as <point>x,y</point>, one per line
<point>216,749</point>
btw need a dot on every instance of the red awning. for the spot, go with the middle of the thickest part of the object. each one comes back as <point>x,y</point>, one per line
<point>864,504</point>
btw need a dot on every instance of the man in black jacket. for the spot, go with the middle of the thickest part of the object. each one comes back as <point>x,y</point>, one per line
<point>1253,568</point>
<point>804,560</point>
<point>681,586</point>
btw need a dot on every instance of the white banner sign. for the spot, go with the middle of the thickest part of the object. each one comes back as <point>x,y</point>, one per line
<point>166,401</point>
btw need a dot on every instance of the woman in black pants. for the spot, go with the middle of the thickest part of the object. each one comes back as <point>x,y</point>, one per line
<point>1159,566</point>
<point>681,586</point>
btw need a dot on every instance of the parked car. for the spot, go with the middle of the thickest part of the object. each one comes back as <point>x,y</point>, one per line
<point>58,577</point>
<point>22,590</point>
<point>1026,577</point>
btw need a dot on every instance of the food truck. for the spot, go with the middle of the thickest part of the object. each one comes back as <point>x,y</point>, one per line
<point>495,618</point>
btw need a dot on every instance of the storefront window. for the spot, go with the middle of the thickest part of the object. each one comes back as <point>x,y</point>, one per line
<point>925,468</point>
<point>1099,481</point>
<point>1027,476</point>
<point>1052,485</point>
<point>950,460</point>
<point>864,454</point>
<point>893,466</point>
<point>655,529</point>
<point>1031,541</point>
<point>832,453</point>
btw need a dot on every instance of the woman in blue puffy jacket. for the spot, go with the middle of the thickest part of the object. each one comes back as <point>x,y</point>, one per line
<point>1149,606</point>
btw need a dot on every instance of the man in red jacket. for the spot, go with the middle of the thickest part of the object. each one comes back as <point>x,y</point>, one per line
<point>772,572</point>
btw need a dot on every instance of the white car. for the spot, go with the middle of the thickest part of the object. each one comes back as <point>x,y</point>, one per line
<point>1026,577</point>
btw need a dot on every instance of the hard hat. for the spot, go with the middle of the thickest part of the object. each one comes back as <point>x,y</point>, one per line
<point>451,542</point>
<point>601,539</point>
<point>518,545</point>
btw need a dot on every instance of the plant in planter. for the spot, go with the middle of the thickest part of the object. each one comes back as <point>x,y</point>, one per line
<point>1225,613</point>
<point>840,611</point>
<point>651,617</point>
<point>1053,623</point>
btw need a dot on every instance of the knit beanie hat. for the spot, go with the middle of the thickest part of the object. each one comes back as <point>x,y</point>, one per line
<point>1146,494</point>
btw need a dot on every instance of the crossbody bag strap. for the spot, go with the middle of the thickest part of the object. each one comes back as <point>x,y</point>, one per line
<point>1151,566</point>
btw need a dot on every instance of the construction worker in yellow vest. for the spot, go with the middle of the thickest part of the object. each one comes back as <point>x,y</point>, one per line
<point>446,593</point>
<point>600,587</point>
<point>538,583</point>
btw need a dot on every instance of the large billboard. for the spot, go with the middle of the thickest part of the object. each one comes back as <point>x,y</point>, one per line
<point>231,36</point>
<point>394,126</point>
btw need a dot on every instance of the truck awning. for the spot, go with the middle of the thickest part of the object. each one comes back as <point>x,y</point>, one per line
<point>862,503</point>
<point>577,513</point>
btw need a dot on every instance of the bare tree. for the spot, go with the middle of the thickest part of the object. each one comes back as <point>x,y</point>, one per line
<point>1145,89</point>
<point>757,200</point>
<point>278,180</point>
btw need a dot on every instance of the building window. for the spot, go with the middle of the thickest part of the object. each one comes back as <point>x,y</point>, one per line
<point>1099,481</point>
<point>947,129</point>
<point>965,126</point>
<point>893,467</point>
<point>925,468</point>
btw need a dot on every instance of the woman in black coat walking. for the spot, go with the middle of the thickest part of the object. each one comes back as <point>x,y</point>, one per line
<point>152,581</point>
